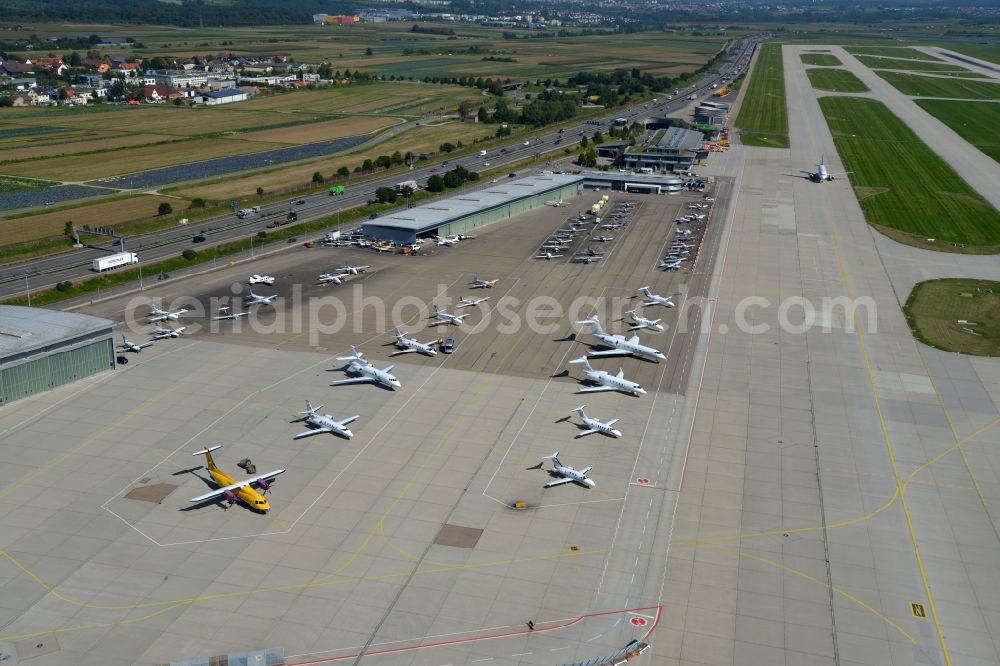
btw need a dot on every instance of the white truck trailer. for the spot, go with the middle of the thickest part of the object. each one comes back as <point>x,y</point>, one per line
<point>102,264</point>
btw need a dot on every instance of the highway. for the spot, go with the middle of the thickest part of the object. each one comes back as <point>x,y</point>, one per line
<point>76,265</point>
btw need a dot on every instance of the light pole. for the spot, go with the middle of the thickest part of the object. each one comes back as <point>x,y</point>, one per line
<point>251,246</point>
<point>139,264</point>
<point>27,289</point>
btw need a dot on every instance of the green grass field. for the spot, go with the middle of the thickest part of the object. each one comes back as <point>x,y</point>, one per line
<point>9,184</point>
<point>976,122</point>
<point>763,119</point>
<point>927,86</point>
<point>935,307</point>
<point>820,59</point>
<point>875,62</point>
<point>903,52</point>
<point>904,186</point>
<point>835,80</point>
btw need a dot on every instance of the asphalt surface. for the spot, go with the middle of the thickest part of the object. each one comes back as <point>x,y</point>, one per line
<point>76,265</point>
<point>346,565</point>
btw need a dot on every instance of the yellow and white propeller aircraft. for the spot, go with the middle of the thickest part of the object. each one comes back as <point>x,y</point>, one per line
<point>232,490</point>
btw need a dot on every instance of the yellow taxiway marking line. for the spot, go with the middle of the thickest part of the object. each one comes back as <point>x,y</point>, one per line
<point>821,583</point>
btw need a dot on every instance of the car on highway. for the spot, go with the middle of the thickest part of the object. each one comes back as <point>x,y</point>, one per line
<point>307,244</point>
<point>434,169</point>
<point>50,203</point>
<point>512,174</point>
<point>200,238</point>
<point>293,239</point>
<point>298,202</point>
<point>373,216</point>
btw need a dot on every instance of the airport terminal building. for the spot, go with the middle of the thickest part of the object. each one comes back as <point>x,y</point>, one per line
<point>41,349</point>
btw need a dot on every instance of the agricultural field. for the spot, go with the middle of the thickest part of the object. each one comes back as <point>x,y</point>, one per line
<point>927,86</point>
<point>763,119</point>
<point>8,184</point>
<point>835,80</point>
<point>36,226</point>
<point>876,62</point>
<point>934,308</point>
<point>322,131</point>
<point>905,189</point>
<point>820,59</point>
<point>417,140</point>
<point>976,122</point>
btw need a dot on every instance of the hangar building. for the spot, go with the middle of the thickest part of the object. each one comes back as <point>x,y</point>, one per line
<point>42,349</point>
<point>472,210</point>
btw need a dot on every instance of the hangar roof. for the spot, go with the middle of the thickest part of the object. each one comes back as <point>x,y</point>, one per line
<point>23,329</point>
<point>443,211</point>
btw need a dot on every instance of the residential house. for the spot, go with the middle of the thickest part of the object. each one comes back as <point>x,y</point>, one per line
<point>160,93</point>
<point>53,65</point>
<point>89,80</point>
<point>99,66</point>
<point>15,68</point>
<point>39,96</point>
<point>126,70</point>
<point>23,83</point>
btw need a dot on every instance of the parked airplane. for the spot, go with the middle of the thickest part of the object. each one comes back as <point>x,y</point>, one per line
<point>548,255</point>
<point>466,303</point>
<point>619,343</point>
<point>254,299</point>
<point>592,252</point>
<point>586,259</point>
<point>821,174</point>
<point>160,333</point>
<point>330,278</point>
<point>654,299</point>
<point>446,240</point>
<point>596,425</point>
<point>603,239</point>
<point>606,381</point>
<point>156,314</point>
<point>556,204</point>
<point>670,265</point>
<point>483,284</point>
<point>260,279</point>
<point>232,490</point>
<point>642,322</point>
<point>447,319</point>
<point>229,314</point>
<point>565,474</point>
<point>127,345</point>
<point>353,270</point>
<point>368,372</point>
<point>407,345</point>
<point>320,423</point>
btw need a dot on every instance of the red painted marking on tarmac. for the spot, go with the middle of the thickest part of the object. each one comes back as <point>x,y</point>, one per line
<point>638,621</point>
<point>642,481</point>
<point>458,641</point>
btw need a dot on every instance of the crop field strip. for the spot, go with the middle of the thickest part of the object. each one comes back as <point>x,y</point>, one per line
<point>101,214</point>
<point>416,140</point>
<point>901,183</point>
<point>820,59</point>
<point>835,80</point>
<point>976,122</point>
<point>763,118</point>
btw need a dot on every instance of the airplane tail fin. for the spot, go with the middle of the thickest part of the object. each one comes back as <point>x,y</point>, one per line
<point>580,410</point>
<point>644,290</point>
<point>595,324</point>
<point>208,455</point>
<point>399,333</point>
<point>310,409</point>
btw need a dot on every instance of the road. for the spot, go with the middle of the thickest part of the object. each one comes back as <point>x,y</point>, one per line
<point>74,266</point>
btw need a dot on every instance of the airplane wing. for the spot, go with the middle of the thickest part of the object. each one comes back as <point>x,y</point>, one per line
<point>595,389</point>
<point>350,420</point>
<point>584,433</point>
<point>310,433</point>
<point>403,351</point>
<point>218,492</point>
<point>609,352</point>
<point>636,327</point>
<point>558,482</point>
<point>612,422</point>
<point>355,380</point>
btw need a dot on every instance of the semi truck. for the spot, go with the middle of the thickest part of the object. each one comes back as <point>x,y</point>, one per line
<point>412,184</point>
<point>337,189</point>
<point>102,264</point>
